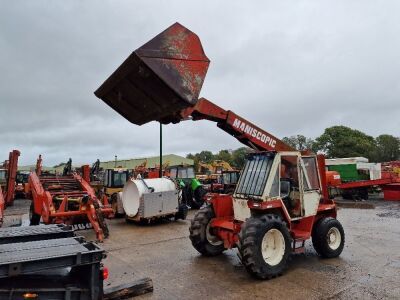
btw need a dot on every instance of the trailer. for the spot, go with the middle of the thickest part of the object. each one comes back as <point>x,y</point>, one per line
<point>49,262</point>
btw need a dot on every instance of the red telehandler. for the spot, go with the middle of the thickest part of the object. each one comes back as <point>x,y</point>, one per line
<point>281,199</point>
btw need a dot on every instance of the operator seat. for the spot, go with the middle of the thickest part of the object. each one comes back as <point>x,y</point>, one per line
<point>286,188</point>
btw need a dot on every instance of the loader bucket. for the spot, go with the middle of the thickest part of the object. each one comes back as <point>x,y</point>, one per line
<point>159,79</point>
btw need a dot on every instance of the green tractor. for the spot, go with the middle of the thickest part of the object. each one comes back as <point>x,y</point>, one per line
<point>192,190</point>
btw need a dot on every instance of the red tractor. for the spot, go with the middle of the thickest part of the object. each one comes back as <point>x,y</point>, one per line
<point>281,199</point>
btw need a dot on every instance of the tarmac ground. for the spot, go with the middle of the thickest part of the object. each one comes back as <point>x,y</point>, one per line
<point>369,267</point>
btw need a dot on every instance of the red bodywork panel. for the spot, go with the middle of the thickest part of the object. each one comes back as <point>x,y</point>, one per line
<point>391,192</point>
<point>224,224</point>
<point>222,205</point>
<point>333,178</point>
<point>228,229</point>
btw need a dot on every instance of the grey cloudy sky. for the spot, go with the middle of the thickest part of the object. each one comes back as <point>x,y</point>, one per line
<point>291,67</point>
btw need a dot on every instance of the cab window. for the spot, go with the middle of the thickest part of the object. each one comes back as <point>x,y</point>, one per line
<point>310,165</point>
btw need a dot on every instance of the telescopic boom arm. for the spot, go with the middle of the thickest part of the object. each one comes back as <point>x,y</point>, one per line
<point>243,130</point>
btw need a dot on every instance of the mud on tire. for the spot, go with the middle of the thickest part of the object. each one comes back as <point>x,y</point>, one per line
<point>201,236</point>
<point>328,237</point>
<point>252,249</point>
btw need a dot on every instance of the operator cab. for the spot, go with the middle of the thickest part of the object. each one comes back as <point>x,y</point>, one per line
<point>287,177</point>
<point>115,178</point>
<point>181,172</point>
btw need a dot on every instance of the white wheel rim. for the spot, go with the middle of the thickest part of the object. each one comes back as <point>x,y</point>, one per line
<point>273,247</point>
<point>334,238</point>
<point>212,239</point>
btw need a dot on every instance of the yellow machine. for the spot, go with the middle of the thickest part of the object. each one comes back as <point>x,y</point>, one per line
<point>114,180</point>
<point>213,170</point>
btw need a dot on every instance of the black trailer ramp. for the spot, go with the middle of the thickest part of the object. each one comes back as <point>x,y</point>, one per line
<point>35,233</point>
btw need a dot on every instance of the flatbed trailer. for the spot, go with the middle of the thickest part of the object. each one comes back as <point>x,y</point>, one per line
<point>364,183</point>
<point>35,233</point>
<point>48,262</point>
<point>389,185</point>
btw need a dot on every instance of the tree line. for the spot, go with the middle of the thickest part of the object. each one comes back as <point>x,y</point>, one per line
<point>334,142</point>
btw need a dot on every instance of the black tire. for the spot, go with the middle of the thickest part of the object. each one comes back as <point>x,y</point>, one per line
<point>198,233</point>
<point>187,195</point>
<point>182,212</point>
<point>321,235</point>
<point>198,197</point>
<point>34,218</point>
<point>250,245</point>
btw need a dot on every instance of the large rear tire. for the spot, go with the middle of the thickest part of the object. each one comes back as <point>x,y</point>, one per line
<point>264,246</point>
<point>328,237</point>
<point>201,235</point>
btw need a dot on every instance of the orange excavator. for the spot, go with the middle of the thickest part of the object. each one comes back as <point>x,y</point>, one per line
<point>281,199</point>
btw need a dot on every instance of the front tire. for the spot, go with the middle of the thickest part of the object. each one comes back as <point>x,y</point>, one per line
<point>328,237</point>
<point>264,246</point>
<point>201,235</point>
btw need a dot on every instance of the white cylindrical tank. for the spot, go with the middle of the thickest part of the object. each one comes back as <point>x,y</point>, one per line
<point>134,189</point>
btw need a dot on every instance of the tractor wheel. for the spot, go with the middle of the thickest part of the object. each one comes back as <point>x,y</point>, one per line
<point>34,218</point>
<point>198,197</point>
<point>114,205</point>
<point>328,237</point>
<point>264,246</point>
<point>201,235</point>
<point>182,212</point>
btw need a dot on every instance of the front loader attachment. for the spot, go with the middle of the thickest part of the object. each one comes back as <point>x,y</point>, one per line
<point>159,79</point>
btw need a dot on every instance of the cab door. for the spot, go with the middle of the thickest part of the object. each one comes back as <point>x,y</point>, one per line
<point>310,185</point>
